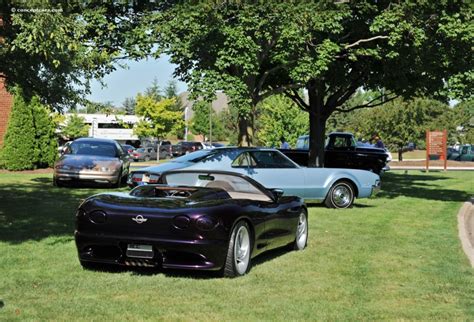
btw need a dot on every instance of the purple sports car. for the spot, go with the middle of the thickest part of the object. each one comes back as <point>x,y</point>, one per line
<point>203,220</point>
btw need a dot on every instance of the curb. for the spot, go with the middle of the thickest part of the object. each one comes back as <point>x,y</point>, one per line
<point>466,229</point>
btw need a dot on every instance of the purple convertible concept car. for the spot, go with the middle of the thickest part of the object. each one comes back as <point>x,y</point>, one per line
<point>190,219</point>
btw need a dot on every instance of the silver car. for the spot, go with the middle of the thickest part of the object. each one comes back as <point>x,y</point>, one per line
<point>92,160</point>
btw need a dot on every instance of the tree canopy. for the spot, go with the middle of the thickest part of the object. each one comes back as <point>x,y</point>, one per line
<point>55,48</point>
<point>252,50</point>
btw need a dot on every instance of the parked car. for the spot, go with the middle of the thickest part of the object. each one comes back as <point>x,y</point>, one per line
<point>92,160</point>
<point>336,187</point>
<point>144,154</point>
<point>342,151</point>
<point>211,220</point>
<point>163,145</point>
<point>185,147</point>
<point>465,153</point>
<point>128,148</point>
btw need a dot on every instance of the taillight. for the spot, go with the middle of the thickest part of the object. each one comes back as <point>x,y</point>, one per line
<point>137,177</point>
<point>154,178</point>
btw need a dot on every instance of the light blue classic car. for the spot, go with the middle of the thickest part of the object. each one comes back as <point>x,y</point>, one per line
<point>336,187</point>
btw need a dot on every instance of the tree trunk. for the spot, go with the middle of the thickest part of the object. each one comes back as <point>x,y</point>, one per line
<point>317,129</point>
<point>245,130</point>
<point>400,153</point>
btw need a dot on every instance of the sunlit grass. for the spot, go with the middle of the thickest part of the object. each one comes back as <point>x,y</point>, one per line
<point>395,256</point>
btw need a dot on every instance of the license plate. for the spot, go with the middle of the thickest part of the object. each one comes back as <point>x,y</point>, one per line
<point>146,178</point>
<point>140,251</point>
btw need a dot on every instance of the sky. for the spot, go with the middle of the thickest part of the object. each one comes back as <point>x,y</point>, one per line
<point>124,83</point>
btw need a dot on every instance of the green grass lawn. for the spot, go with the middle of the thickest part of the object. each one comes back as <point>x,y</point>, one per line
<point>395,256</point>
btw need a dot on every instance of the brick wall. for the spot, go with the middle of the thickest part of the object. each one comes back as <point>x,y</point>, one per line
<point>6,102</point>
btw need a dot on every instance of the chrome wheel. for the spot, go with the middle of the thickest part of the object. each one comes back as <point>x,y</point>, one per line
<point>301,232</point>
<point>242,250</point>
<point>237,262</point>
<point>341,195</point>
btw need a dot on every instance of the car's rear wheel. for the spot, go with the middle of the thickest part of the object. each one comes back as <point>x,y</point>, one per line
<point>301,237</point>
<point>238,253</point>
<point>147,158</point>
<point>341,195</point>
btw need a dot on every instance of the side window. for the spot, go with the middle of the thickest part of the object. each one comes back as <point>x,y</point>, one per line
<point>271,159</point>
<point>243,160</point>
<point>342,142</point>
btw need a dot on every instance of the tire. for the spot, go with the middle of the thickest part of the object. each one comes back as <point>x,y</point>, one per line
<point>238,257</point>
<point>341,195</point>
<point>57,183</point>
<point>118,184</point>
<point>147,158</point>
<point>301,236</point>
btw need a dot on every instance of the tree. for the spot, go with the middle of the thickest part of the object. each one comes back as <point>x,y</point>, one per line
<point>206,122</point>
<point>159,117</point>
<point>75,127</point>
<point>222,45</point>
<point>56,53</point>
<point>30,140</point>
<point>252,50</point>
<point>129,105</point>
<point>404,49</point>
<point>153,91</point>
<point>279,116</point>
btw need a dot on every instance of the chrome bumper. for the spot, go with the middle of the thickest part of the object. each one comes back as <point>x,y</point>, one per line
<point>86,176</point>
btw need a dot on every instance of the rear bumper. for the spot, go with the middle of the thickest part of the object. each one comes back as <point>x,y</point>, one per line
<point>168,253</point>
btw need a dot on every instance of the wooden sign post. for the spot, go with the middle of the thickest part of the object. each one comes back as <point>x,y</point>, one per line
<point>436,142</point>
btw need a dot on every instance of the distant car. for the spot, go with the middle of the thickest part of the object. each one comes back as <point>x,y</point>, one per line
<point>342,151</point>
<point>128,148</point>
<point>185,147</point>
<point>338,188</point>
<point>144,154</point>
<point>163,145</point>
<point>465,153</point>
<point>200,220</point>
<point>92,160</point>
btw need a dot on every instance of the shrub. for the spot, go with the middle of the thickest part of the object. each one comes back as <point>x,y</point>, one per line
<point>30,140</point>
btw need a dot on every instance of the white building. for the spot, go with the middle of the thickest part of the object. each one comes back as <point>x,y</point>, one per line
<point>111,126</point>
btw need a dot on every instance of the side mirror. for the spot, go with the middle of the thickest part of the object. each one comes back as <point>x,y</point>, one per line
<point>277,193</point>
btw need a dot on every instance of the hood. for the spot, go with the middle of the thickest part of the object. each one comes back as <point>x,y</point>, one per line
<point>86,161</point>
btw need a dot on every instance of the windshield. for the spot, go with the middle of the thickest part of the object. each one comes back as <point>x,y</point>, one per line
<point>194,156</point>
<point>92,148</point>
<point>237,187</point>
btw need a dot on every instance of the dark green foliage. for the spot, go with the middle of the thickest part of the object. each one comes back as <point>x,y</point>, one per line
<point>279,116</point>
<point>30,141</point>
<point>55,53</point>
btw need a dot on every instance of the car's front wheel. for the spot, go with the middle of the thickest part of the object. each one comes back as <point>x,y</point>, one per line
<point>238,253</point>
<point>341,195</point>
<point>301,237</point>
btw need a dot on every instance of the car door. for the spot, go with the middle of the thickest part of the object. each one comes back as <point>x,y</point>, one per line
<point>273,170</point>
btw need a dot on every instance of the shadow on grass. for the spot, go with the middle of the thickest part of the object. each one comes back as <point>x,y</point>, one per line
<point>423,186</point>
<point>181,273</point>
<point>35,210</point>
